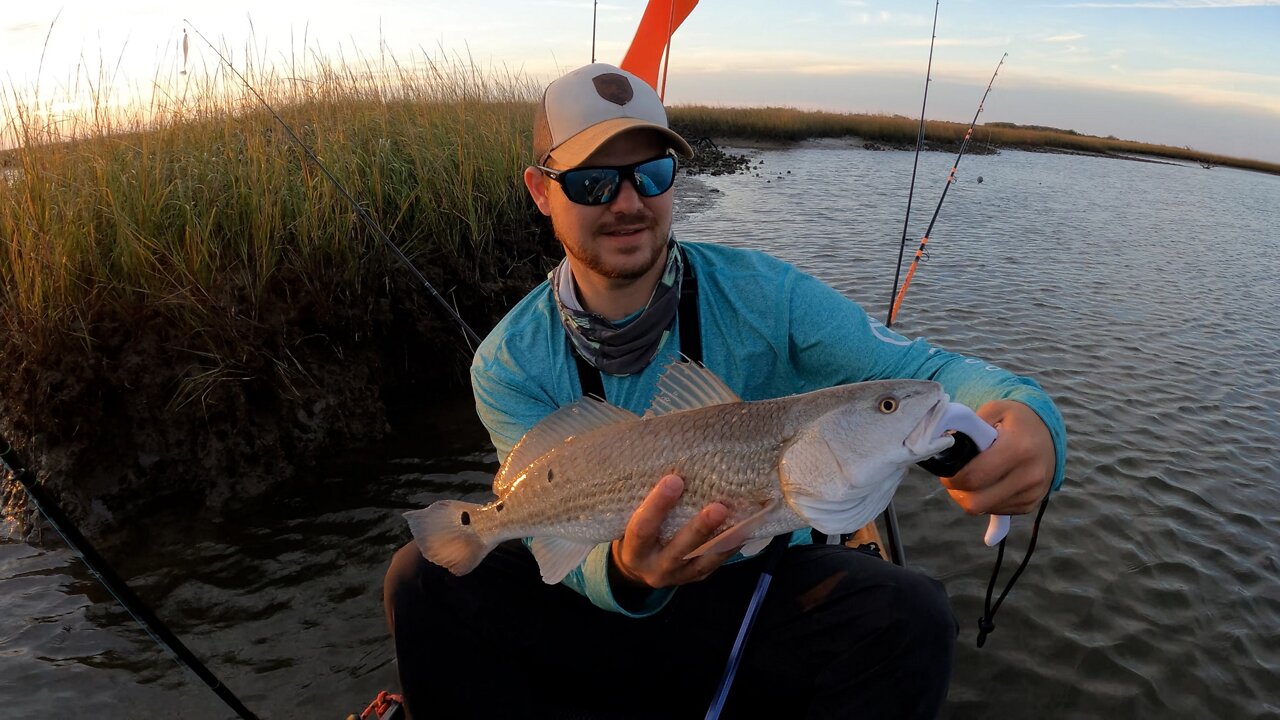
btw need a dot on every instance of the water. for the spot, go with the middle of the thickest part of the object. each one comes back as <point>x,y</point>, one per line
<point>1144,297</point>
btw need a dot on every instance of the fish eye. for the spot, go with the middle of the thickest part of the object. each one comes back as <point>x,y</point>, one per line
<point>888,404</point>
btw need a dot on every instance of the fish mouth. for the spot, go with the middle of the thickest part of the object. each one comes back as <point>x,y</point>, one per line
<point>925,440</point>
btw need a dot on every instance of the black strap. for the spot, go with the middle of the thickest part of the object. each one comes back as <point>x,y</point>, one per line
<point>987,623</point>
<point>690,325</point>
<point>589,377</point>
<point>690,335</point>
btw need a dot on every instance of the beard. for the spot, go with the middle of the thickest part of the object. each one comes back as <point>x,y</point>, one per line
<point>625,267</point>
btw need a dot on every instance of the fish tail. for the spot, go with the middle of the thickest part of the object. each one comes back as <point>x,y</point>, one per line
<point>444,535</point>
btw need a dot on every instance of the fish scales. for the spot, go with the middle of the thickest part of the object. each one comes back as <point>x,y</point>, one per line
<point>716,450</point>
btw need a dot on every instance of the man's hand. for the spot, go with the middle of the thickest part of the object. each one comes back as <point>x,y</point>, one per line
<point>640,558</point>
<point>1013,475</point>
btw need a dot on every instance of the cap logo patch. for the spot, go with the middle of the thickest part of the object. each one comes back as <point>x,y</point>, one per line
<point>613,87</point>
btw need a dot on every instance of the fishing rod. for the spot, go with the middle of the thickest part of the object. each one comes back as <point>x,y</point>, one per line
<point>472,337</point>
<point>900,293</point>
<point>12,466</point>
<point>897,553</point>
<point>975,437</point>
<point>666,63</point>
<point>999,524</point>
<point>902,247</point>
<point>947,462</point>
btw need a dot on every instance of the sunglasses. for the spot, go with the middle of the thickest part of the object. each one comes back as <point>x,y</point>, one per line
<point>600,185</point>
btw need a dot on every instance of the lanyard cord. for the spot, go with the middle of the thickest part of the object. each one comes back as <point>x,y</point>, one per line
<point>777,546</point>
<point>986,623</point>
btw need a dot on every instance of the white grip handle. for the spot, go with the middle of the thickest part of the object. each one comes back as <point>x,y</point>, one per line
<point>959,418</point>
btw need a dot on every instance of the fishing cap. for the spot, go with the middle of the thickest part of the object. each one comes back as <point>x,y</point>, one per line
<point>584,109</point>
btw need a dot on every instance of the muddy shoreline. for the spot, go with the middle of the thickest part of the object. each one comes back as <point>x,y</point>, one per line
<point>124,417</point>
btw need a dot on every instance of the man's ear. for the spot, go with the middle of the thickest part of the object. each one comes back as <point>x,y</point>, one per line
<point>536,183</point>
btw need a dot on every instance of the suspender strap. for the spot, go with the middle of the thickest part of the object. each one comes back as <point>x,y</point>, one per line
<point>690,335</point>
<point>589,376</point>
<point>690,326</point>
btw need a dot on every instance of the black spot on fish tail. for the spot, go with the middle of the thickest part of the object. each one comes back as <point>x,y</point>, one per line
<point>466,518</point>
<point>550,474</point>
<point>498,507</point>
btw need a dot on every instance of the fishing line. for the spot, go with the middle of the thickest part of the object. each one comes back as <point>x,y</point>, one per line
<point>472,338</point>
<point>13,466</point>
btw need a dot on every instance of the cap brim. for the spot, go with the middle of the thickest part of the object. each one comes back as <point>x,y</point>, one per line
<point>578,148</point>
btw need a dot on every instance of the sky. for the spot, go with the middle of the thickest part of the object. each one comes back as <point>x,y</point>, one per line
<point>1197,73</point>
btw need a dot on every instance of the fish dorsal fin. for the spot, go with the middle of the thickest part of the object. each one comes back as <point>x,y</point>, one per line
<point>689,386</point>
<point>578,417</point>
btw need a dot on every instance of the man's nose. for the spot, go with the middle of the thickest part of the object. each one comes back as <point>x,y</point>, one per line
<point>628,198</point>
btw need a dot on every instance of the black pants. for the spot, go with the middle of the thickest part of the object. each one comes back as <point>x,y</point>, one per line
<point>841,635</point>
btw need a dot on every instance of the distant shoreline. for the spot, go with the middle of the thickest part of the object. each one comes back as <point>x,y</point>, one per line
<point>782,127</point>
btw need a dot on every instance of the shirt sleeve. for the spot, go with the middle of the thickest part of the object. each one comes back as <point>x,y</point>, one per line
<point>833,341</point>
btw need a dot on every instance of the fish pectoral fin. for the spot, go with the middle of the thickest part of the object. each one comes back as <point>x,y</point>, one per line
<point>755,546</point>
<point>558,556</point>
<point>738,535</point>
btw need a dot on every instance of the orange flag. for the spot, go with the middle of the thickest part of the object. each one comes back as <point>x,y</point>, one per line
<point>661,18</point>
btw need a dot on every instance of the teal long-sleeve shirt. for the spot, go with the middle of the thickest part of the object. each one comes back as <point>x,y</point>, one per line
<point>768,330</point>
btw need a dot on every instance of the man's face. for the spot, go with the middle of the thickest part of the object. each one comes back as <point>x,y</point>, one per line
<point>623,239</point>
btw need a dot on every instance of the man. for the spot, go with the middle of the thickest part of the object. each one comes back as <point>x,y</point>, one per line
<point>636,631</point>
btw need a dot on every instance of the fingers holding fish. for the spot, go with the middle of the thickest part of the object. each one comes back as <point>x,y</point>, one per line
<point>645,525</point>
<point>640,556</point>
<point>1013,475</point>
<point>695,533</point>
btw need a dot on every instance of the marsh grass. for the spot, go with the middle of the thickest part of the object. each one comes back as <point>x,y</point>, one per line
<point>789,124</point>
<point>200,203</point>
<point>198,214</point>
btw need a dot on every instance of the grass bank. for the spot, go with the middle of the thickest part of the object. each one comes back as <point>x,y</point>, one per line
<point>790,125</point>
<point>185,300</point>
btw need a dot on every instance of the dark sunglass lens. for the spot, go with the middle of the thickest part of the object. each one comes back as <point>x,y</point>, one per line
<point>594,186</point>
<point>656,176</point>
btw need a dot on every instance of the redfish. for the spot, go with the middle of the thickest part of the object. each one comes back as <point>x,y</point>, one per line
<point>829,459</point>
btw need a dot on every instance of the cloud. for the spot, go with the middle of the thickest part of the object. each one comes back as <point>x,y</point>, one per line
<point>1065,37</point>
<point>945,42</point>
<point>1177,4</point>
